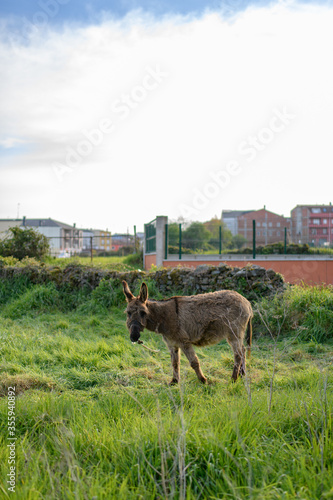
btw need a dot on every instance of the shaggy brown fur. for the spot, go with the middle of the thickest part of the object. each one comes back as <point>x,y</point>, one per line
<point>193,320</point>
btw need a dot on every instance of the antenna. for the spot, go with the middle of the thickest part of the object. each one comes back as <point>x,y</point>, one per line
<point>18,211</point>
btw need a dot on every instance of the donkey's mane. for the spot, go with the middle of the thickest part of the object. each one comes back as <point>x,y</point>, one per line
<point>174,297</point>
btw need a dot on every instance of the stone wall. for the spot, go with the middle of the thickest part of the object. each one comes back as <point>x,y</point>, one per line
<point>252,281</point>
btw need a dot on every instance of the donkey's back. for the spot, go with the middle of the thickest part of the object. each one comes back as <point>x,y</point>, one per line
<point>210,317</point>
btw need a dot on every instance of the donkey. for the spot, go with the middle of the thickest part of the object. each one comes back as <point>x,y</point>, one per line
<point>195,320</point>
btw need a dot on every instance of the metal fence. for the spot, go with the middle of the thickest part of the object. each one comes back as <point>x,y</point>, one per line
<point>182,239</point>
<point>150,236</point>
<point>90,246</point>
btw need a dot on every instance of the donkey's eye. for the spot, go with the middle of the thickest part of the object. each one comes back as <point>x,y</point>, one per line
<point>142,314</point>
<point>129,314</point>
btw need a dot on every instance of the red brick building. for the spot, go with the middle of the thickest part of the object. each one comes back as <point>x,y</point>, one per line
<point>269,226</point>
<point>312,224</point>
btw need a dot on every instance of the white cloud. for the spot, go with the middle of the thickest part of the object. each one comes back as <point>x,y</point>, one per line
<point>221,82</point>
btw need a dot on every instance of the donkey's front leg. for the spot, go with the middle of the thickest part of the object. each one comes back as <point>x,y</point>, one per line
<point>194,361</point>
<point>175,359</point>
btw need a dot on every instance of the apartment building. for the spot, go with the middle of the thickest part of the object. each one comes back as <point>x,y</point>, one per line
<point>230,219</point>
<point>102,240</point>
<point>270,227</point>
<point>312,224</point>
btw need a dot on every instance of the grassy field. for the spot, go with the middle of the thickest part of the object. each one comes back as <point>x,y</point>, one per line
<point>95,418</point>
<point>114,262</point>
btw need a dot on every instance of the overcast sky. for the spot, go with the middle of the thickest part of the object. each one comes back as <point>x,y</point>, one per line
<point>113,115</point>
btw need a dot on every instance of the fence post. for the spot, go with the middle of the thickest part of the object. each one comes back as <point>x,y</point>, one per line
<point>166,242</point>
<point>254,238</point>
<point>220,240</point>
<point>134,250</point>
<point>285,240</point>
<point>91,249</point>
<point>180,241</point>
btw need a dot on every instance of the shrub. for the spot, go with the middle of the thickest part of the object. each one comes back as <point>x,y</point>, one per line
<point>134,259</point>
<point>174,250</point>
<point>23,243</point>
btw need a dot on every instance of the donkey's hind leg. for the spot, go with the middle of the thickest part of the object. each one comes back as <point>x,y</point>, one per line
<point>239,356</point>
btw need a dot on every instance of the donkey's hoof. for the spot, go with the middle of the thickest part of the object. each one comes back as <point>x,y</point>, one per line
<point>203,380</point>
<point>174,381</point>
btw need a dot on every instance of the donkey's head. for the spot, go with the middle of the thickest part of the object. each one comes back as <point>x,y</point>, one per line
<point>136,311</point>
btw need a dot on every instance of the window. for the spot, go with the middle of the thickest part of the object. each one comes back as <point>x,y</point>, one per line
<point>277,233</point>
<point>324,230</point>
<point>315,210</point>
<point>270,224</point>
<point>315,221</point>
<point>278,224</point>
<point>258,224</point>
<point>313,231</point>
<point>324,221</point>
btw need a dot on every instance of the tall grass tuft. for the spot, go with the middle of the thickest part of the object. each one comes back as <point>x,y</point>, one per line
<point>40,298</point>
<point>304,311</point>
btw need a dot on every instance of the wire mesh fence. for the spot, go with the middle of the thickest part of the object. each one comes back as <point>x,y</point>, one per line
<point>92,245</point>
<point>215,238</point>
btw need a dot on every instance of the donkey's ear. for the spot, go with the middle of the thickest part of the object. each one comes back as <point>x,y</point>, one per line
<point>129,295</point>
<point>143,292</point>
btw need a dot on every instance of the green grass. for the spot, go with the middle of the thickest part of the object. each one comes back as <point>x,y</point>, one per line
<point>117,263</point>
<point>304,311</point>
<point>95,417</point>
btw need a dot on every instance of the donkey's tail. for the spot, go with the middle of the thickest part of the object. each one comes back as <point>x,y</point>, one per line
<point>249,336</point>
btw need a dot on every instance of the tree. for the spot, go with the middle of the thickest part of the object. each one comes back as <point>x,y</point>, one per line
<point>173,233</point>
<point>22,243</point>
<point>213,227</point>
<point>238,241</point>
<point>196,236</point>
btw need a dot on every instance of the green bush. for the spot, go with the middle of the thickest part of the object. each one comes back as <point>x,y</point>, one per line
<point>174,250</point>
<point>276,248</point>
<point>134,259</point>
<point>23,243</point>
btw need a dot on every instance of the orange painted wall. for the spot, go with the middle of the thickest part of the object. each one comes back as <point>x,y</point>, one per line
<point>311,272</point>
<point>150,259</point>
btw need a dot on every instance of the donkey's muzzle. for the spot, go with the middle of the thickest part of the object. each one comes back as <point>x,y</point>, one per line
<point>135,329</point>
